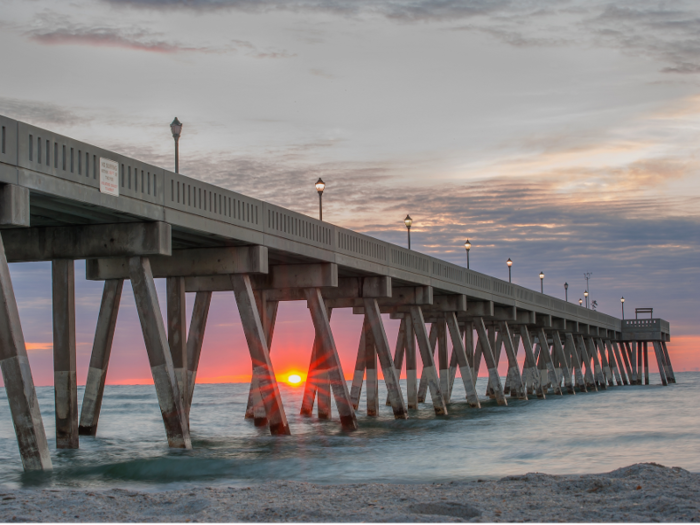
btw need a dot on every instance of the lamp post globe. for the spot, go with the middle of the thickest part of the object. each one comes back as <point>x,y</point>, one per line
<point>510,264</point>
<point>408,221</point>
<point>580,302</point>
<point>622,302</point>
<point>541,282</point>
<point>585,294</point>
<point>176,130</point>
<point>320,186</point>
<point>566,292</point>
<point>467,246</point>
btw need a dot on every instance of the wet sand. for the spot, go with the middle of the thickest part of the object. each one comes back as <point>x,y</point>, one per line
<point>641,492</point>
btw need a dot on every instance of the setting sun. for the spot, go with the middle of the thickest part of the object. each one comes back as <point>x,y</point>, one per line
<point>294,379</point>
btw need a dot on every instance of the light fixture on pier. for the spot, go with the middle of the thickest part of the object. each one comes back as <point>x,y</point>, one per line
<point>320,186</point>
<point>408,221</point>
<point>580,302</point>
<point>509,263</point>
<point>176,129</point>
<point>467,246</point>
<point>622,301</point>
<point>585,294</point>
<point>542,282</point>
<point>566,292</point>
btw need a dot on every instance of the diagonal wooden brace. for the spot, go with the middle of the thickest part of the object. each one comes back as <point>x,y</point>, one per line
<point>494,378</point>
<point>460,356</point>
<point>428,362</point>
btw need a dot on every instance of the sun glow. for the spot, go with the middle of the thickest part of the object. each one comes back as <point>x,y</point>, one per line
<point>294,379</point>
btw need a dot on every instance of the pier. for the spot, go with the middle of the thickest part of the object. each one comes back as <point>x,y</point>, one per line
<point>63,200</point>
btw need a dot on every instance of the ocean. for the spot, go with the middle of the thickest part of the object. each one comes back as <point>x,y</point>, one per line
<point>582,433</point>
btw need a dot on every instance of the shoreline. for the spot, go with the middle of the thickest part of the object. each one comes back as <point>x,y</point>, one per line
<point>640,492</point>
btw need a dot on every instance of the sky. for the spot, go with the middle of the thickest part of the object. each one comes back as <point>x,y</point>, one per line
<point>561,134</point>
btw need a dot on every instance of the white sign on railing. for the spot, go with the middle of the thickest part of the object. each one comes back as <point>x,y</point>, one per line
<point>109,176</point>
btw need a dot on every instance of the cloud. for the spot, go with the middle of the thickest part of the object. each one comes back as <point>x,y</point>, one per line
<point>40,113</point>
<point>55,29</point>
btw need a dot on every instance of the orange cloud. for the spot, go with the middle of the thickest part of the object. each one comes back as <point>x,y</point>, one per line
<point>38,346</point>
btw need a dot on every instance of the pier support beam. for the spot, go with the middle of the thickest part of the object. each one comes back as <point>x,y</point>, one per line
<point>563,361</point>
<point>358,377</point>
<point>99,360</point>
<point>494,378</point>
<point>669,367</point>
<point>195,338</point>
<point>267,310</point>
<point>628,351</point>
<point>605,364</point>
<point>461,357</point>
<point>423,384</point>
<point>381,350</point>
<point>428,362</point>
<point>553,378</point>
<point>599,376</point>
<point>660,362</point>
<point>624,361</point>
<point>156,340</point>
<point>531,376</point>
<point>329,358</point>
<point>177,332</point>
<point>586,359</point>
<point>259,354</point>
<point>646,363</point>
<point>399,352</point>
<point>570,350</point>
<point>64,371</point>
<point>411,365</point>
<point>370,364</point>
<point>19,385</point>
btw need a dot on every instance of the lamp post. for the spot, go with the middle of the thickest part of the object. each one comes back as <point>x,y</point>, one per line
<point>580,302</point>
<point>541,282</point>
<point>176,129</point>
<point>408,221</point>
<point>585,294</point>
<point>320,186</point>
<point>566,292</point>
<point>467,246</point>
<point>622,302</point>
<point>509,263</point>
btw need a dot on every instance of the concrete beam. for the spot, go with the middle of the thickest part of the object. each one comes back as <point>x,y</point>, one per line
<point>187,263</point>
<point>304,275</point>
<point>506,313</point>
<point>86,241</point>
<point>14,206</point>
<point>544,320</point>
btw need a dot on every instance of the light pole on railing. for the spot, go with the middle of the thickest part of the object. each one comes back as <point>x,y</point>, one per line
<point>566,292</point>
<point>320,186</point>
<point>585,294</point>
<point>408,221</point>
<point>176,129</point>
<point>467,246</point>
<point>580,302</point>
<point>510,264</point>
<point>622,302</point>
<point>541,282</point>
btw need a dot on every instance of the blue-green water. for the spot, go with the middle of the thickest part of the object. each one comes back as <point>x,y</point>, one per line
<point>594,432</point>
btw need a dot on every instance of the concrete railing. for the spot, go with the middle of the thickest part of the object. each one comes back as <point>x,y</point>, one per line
<point>38,150</point>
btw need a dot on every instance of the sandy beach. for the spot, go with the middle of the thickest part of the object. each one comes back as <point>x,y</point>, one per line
<point>641,492</point>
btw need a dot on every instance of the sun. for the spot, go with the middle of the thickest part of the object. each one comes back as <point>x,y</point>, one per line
<point>294,379</point>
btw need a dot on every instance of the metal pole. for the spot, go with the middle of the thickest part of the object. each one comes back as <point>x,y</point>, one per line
<point>177,155</point>
<point>566,294</point>
<point>409,238</point>
<point>509,275</point>
<point>320,206</point>
<point>541,285</point>
<point>623,311</point>
<point>467,259</point>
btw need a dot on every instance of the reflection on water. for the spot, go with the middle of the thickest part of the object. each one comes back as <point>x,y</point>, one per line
<point>594,432</point>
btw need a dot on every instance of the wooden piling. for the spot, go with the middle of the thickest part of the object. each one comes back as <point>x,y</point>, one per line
<point>358,377</point>
<point>617,369</point>
<point>371,374</point>
<point>623,359</point>
<point>586,360</point>
<point>318,382</point>
<point>496,350</point>
<point>628,350</point>
<point>605,364</point>
<point>330,360</point>
<point>99,360</point>
<point>640,367</point>
<point>64,371</point>
<point>426,354</point>
<point>17,376</point>
<point>155,338</point>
